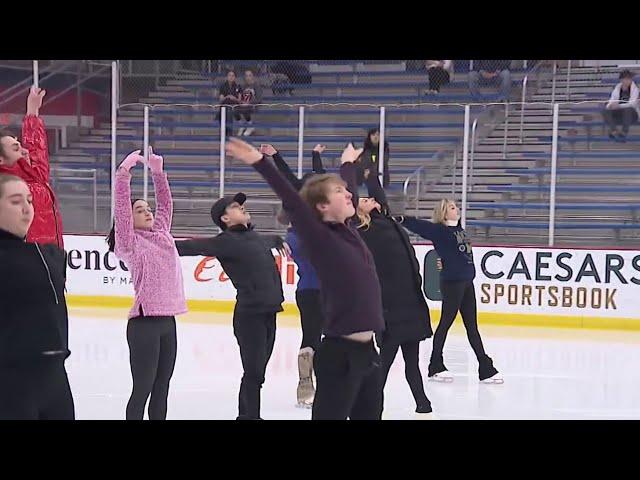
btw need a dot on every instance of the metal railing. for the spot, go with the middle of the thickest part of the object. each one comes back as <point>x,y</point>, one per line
<point>473,151</point>
<point>70,174</point>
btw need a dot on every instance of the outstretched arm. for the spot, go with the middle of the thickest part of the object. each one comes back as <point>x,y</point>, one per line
<point>206,247</point>
<point>427,230</point>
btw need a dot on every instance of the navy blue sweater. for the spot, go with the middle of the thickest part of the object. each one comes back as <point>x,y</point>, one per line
<point>308,278</point>
<point>349,286</point>
<point>452,244</point>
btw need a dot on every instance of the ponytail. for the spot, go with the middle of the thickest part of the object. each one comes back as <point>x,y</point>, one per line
<point>111,238</point>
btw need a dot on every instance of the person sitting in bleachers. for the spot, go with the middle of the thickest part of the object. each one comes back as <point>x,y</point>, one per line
<point>439,72</point>
<point>250,96</point>
<point>623,108</point>
<point>490,72</point>
<point>230,93</point>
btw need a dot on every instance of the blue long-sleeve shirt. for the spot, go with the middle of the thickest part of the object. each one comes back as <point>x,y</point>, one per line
<point>452,244</point>
<point>308,278</point>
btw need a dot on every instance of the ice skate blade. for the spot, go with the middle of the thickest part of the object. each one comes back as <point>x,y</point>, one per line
<point>492,381</point>
<point>440,379</point>
<point>304,405</point>
<point>424,416</point>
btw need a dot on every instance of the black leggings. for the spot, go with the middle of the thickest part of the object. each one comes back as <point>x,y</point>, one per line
<point>459,296</point>
<point>38,391</point>
<point>348,381</point>
<point>311,317</point>
<point>621,116</point>
<point>152,354</point>
<point>410,351</point>
<point>256,335</point>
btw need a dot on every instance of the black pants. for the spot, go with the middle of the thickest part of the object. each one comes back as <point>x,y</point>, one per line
<point>232,114</point>
<point>152,354</point>
<point>621,116</point>
<point>311,317</point>
<point>410,351</point>
<point>37,391</point>
<point>245,111</point>
<point>438,77</point>
<point>348,381</point>
<point>459,296</point>
<point>256,334</point>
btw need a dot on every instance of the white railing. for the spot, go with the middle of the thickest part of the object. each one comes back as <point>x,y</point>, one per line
<point>71,174</point>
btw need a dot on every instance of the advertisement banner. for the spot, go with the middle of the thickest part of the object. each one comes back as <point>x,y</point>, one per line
<point>520,280</point>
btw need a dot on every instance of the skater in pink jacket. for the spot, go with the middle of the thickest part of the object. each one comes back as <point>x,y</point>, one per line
<point>145,244</point>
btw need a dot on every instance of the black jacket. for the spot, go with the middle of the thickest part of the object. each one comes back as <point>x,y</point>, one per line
<point>246,258</point>
<point>406,313</point>
<point>369,161</point>
<point>33,309</point>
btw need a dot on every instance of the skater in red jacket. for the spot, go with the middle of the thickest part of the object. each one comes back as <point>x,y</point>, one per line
<point>29,160</point>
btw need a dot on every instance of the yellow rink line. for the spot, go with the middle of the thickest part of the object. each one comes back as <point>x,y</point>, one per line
<point>290,317</point>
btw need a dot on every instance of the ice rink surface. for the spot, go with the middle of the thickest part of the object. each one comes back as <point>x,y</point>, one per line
<point>549,373</point>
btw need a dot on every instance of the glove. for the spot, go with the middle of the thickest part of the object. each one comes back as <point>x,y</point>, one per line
<point>131,159</point>
<point>155,161</point>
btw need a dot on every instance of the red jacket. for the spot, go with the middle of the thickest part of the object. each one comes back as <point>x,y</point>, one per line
<point>47,223</point>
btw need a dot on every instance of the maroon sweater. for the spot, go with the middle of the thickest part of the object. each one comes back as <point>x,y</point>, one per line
<point>349,285</point>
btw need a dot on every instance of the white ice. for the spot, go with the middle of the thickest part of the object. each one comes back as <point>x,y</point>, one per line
<point>549,373</point>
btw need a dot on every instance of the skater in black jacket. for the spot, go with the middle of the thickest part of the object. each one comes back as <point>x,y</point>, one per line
<point>453,245</point>
<point>246,258</point>
<point>406,313</point>
<point>33,316</point>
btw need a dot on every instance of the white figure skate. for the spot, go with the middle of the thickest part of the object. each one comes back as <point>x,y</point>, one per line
<point>306,390</point>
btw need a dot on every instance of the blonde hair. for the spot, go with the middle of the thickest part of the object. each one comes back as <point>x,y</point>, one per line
<point>440,211</point>
<point>316,188</point>
<point>365,219</point>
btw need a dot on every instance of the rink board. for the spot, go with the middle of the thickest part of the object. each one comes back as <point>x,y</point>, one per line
<point>585,288</point>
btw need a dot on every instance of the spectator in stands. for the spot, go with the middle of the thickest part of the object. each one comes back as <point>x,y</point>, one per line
<point>251,95</point>
<point>490,72</point>
<point>623,108</point>
<point>439,72</point>
<point>369,158</point>
<point>230,93</point>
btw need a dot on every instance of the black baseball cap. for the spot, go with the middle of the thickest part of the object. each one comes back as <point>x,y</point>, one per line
<point>218,209</point>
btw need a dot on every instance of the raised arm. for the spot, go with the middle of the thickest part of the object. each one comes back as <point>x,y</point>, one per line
<point>376,191</point>
<point>316,159</point>
<point>125,236</point>
<point>34,135</point>
<point>348,173</point>
<point>307,224</point>
<point>283,167</point>
<point>164,201</point>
